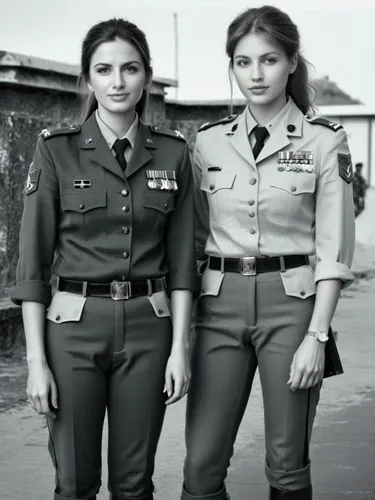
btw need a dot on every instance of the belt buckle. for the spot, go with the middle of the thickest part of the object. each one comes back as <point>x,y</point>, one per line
<point>121,290</point>
<point>248,266</point>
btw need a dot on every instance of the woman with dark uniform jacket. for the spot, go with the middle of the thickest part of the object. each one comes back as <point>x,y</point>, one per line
<point>273,188</point>
<point>113,220</point>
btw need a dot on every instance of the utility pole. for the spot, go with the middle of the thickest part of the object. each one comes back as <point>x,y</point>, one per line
<point>175,19</point>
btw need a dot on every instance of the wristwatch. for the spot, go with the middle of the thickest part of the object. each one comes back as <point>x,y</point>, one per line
<point>321,336</point>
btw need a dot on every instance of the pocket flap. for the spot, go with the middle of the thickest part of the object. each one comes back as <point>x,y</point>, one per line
<point>299,281</point>
<point>65,307</point>
<point>213,181</point>
<point>83,200</point>
<point>160,304</point>
<point>296,184</point>
<point>159,200</point>
<point>211,282</point>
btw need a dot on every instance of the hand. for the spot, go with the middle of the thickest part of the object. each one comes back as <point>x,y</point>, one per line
<point>41,388</point>
<point>307,367</point>
<point>177,375</point>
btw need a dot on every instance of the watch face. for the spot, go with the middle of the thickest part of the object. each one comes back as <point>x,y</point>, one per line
<point>322,336</point>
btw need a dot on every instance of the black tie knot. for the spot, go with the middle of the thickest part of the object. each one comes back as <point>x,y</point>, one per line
<point>261,133</point>
<point>119,148</point>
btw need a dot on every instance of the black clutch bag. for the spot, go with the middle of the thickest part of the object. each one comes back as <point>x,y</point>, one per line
<point>332,364</point>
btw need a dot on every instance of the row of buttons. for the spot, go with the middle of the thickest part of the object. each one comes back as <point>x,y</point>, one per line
<point>252,181</point>
<point>125,229</point>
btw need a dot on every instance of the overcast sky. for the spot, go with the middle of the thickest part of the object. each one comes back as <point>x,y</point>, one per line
<point>338,37</point>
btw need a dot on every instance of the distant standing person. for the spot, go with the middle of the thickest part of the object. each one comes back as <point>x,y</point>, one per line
<point>109,210</point>
<point>359,189</point>
<point>273,187</point>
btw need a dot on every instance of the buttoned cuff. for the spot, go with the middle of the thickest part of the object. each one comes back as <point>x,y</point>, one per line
<point>328,270</point>
<point>31,290</point>
<point>183,281</point>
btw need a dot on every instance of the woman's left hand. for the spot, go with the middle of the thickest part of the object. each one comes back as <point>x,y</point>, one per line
<point>177,374</point>
<point>307,367</point>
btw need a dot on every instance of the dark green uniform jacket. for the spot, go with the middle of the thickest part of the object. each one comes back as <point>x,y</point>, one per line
<point>86,220</point>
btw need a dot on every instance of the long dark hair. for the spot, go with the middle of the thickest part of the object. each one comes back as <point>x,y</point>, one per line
<point>108,31</point>
<point>281,30</point>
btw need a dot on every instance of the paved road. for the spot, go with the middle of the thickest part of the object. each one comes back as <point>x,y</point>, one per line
<point>343,447</point>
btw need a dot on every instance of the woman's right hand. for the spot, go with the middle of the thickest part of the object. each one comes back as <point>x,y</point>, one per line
<point>41,388</point>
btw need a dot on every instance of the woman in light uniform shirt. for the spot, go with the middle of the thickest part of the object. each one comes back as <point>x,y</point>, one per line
<point>273,189</point>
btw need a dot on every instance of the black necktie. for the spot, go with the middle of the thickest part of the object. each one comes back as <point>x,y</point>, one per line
<point>119,148</point>
<point>261,133</point>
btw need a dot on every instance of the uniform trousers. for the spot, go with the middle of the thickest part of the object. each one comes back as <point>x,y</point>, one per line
<point>113,359</point>
<point>251,323</point>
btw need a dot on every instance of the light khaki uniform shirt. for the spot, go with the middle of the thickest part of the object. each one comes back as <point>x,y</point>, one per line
<point>265,207</point>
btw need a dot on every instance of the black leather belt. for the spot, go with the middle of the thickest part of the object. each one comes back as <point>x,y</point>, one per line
<point>117,290</point>
<point>250,266</point>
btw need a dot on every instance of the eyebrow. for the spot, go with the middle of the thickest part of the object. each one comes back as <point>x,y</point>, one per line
<point>128,63</point>
<point>263,55</point>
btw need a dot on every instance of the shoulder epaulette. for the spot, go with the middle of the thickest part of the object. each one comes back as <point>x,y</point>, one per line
<point>176,134</point>
<point>72,129</point>
<point>320,120</point>
<point>222,121</point>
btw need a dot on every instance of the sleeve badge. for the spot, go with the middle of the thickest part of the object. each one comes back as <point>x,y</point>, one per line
<point>345,167</point>
<point>32,180</point>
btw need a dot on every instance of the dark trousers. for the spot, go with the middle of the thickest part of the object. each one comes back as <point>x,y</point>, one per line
<point>113,359</point>
<point>251,323</point>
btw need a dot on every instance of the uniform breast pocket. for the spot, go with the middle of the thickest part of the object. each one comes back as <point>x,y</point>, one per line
<point>157,207</point>
<point>291,198</point>
<point>218,187</point>
<point>85,213</point>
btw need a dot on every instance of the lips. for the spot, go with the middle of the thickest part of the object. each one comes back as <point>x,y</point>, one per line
<point>118,96</point>
<point>259,88</point>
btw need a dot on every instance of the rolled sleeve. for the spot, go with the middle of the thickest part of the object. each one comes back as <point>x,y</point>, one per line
<point>32,290</point>
<point>182,273</point>
<point>38,231</point>
<point>335,224</point>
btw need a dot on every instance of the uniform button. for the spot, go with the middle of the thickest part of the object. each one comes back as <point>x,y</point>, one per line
<point>82,206</point>
<point>293,189</point>
<point>124,192</point>
<point>125,230</point>
<point>160,311</point>
<point>58,317</point>
<point>166,205</point>
<point>253,181</point>
<point>303,293</point>
<point>125,255</point>
<point>291,128</point>
<point>123,277</point>
<point>125,209</point>
<point>212,187</point>
<point>253,230</point>
<point>251,202</point>
<point>251,213</point>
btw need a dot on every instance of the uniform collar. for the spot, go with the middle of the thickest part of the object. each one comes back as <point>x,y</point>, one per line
<point>110,137</point>
<point>289,118</point>
<point>95,148</point>
<point>286,124</point>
